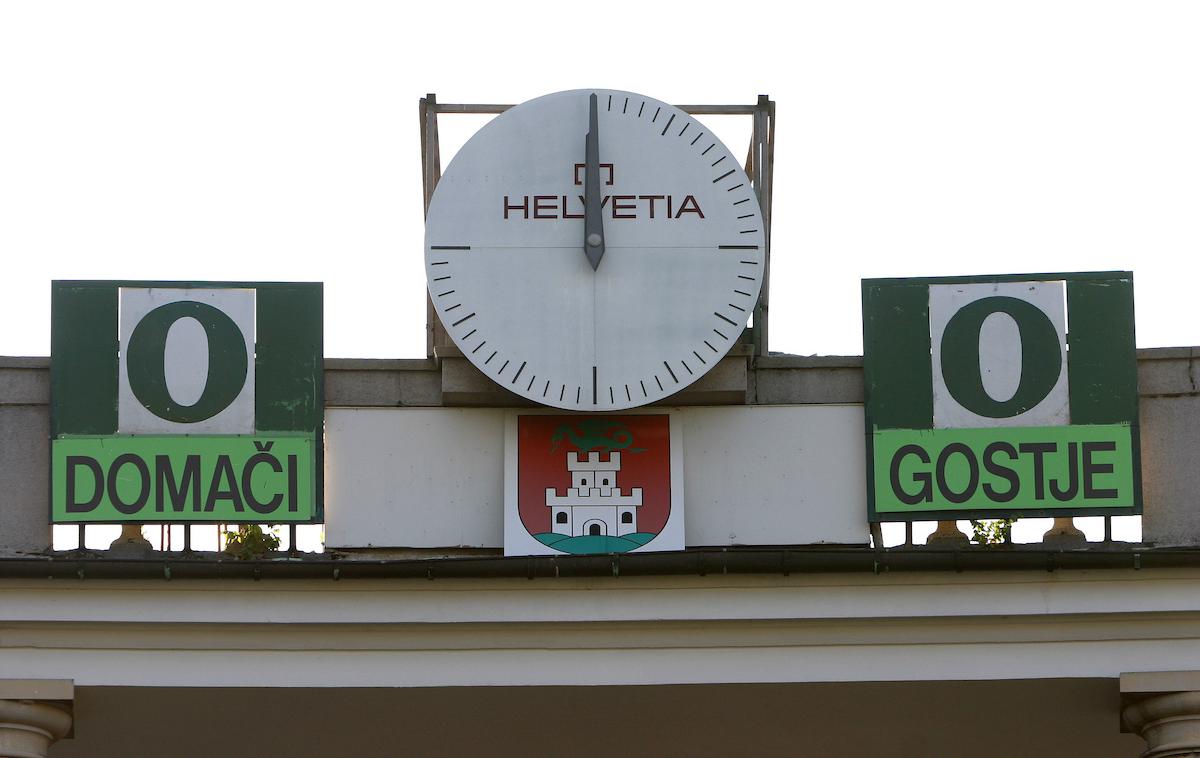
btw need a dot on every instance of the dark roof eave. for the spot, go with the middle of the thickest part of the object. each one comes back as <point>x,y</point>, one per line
<point>693,562</point>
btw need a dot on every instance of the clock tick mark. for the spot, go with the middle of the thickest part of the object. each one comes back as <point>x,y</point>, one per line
<point>578,390</point>
<point>476,350</point>
<point>522,368</point>
<point>747,278</point>
<point>749,231</point>
<point>532,379</point>
<point>490,357</point>
<point>464,318</point>
<point>684,129</point>
<point>644,393</point>
<point>547,389</point>
<point>737,247</point>
<point>612,400</point>
<point>501,371</point>
<point>668,126</point>
<point>738,307</point>
<point>660,387</point>
<point>671,372</point>
<point>594,395</point>
<point>624,108</point>
<point>718,160</point>
<point>442,278</point>
<point>439,263</point>
<point>736,186</point>
<point>749,263</point>
<point>563,391</point>
<point>710,147</point>
<point>610,102</point>
<point>697,138</point>
<point>748,215</point>
<point>699,358</point>
<point>447,292</point>
<point>640,109</point>
<point>656,112</point>
<point>453,307</point>
<point>449,247</point>
<point>627,395</point>
<point>722,176</point>
<point>743,200</point>
<point>722,336</point>
<point>467,336</point>
<point>689,368</point>
<point>710,347</point>
<point>747,294</point>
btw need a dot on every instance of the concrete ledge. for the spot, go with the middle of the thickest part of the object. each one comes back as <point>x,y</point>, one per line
<point>727,383</point>
<point>37,689</point>
<point>1167,372</point>
<point>1165,353</point>
<point>1170,436</point>
<point>24,381</point>
<point>463,384</point>
<point>17,361</point>
<point>812,384</point>
<point>782,361</point>
<point>451,380</point>
<point>362,384</point>
<point>1159,681</point>
<point>24,479</point>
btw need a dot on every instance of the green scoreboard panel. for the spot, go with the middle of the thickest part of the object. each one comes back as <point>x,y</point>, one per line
<point>186,402</point>
<point>1001,396</point>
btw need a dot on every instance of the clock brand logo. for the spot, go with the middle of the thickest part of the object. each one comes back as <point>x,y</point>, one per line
<point>618,207</point>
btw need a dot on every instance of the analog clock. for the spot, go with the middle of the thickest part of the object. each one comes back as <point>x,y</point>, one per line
<point>594,250</point>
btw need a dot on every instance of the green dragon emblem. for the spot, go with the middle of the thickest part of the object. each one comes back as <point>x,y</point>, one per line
<point>595,434</point>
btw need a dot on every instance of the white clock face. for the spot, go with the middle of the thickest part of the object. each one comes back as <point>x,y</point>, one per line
<point>679,275</point>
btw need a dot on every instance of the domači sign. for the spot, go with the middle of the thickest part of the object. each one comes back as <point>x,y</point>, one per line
<point>989,397</point>
<point>186,402</point>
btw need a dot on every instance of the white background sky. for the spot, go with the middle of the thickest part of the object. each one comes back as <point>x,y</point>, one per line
<point>279,140</point>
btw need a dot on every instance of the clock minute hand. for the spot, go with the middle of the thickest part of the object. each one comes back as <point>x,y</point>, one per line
<point>593,225</point>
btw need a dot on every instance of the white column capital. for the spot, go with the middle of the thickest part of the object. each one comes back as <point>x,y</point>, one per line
<point>1164,709</point>
<point>29,727</point>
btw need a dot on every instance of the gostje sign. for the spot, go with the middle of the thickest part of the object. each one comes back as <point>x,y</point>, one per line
<point>186,402</point>
<point>1001,396</point>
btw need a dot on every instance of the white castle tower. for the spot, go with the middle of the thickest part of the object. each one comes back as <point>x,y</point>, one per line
<point>594,504</point>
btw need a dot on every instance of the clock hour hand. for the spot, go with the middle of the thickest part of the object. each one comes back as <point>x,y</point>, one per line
<point>593,225</point>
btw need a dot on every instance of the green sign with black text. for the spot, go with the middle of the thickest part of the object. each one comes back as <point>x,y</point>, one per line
<point>186,402</point>
<point>992,397</point>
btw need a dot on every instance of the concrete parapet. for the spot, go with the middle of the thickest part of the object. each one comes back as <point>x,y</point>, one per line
<point>1169,386</point>
<point>1168,371</point>
<point>791,379</point>
<point>1170,431</point>
<point>24,478</point>
<point>382,383</point>
<point>727,383</point>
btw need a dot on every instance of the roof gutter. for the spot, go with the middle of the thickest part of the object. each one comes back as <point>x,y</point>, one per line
<point>693,562</point>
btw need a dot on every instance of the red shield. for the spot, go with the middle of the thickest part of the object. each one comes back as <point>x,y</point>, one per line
<point>594,484</point>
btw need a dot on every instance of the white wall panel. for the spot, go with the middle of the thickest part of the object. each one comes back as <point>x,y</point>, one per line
<point>414,477</point>
<point>434,477</point>
<point>775,475</point>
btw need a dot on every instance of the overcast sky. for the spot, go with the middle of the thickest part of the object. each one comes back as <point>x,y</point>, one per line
<point>279,140</point>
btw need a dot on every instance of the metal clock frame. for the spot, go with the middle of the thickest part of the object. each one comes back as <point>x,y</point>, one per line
<point>759,166</point>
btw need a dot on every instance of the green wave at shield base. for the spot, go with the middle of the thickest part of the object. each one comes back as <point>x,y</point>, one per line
<point>594,543</point>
